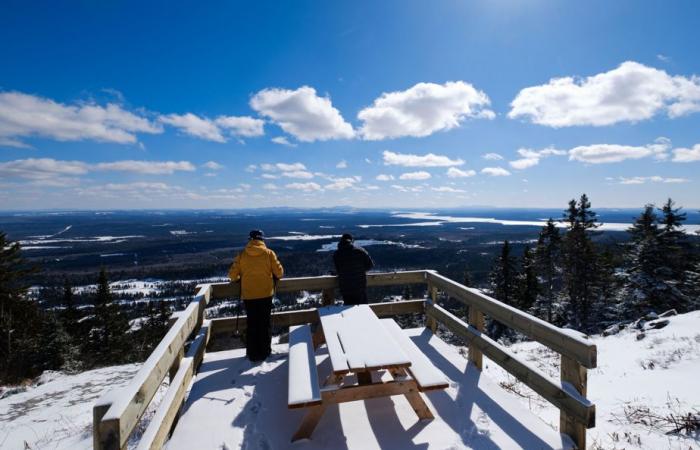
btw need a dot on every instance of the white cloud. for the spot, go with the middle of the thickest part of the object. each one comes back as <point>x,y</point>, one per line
<point>532,158</point>
<point>400,188</point>
<point>146,167</point>
<point>612,153</point>
<point>448,189</point>
<point>340,184</point>
<point>384,177</point>
<point>492,156</point>
<point>269,186</point>
<point>410,160</point>
<point>495,171</point>
<point>284,167</point>
<point>302,113</point>
<point>419,175</point>
<point>342,165</point>
<point>242,126</point>
<point>454,172</point>
<point>683,155</point>
<point>24,115</point>
<point>269,176</point>
<point>213,165</point>
<point>251,168</point>
<point>423,110</point>
<point>194,125</point>
<point>306,187</point>
<point>653,179</point>
<point>630,93</point>
<point>48,168</point>
<point>298,174</point>
<point>282,140</point>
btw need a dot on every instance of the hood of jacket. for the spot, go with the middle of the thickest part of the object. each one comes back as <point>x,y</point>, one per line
<point>255,247</point>
<point>344,244</point>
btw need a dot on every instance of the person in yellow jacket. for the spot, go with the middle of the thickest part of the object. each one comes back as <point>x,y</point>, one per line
<point>258,269</point>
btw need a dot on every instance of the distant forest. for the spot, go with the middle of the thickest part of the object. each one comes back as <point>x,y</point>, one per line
<point>569,277</point>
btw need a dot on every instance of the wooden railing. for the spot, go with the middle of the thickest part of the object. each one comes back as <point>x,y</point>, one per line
<point>116,415</point>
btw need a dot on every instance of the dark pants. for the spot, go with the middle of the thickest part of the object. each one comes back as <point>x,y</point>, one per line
<point>355,298</point>
<point>259,330</point>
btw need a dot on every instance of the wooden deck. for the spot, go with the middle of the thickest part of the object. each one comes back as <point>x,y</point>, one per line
<point>234,404</point>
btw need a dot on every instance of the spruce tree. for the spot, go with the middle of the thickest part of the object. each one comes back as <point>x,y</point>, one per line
<point>504,285</point>
<point>528,284</point>
<point>548,263</point>
<point>109,340</point>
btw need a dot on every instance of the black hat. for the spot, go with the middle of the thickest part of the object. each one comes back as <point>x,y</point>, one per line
<point>346,237</point>
<point>256,234</point>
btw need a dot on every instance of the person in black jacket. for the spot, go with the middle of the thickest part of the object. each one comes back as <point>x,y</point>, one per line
<point>351,266</point>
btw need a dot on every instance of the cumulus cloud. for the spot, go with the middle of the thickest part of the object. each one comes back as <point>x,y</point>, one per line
<point>214,130</point>
<point>302,113</point>
<point>612,153</point>
<point>495,171</point>
<point>684,155</point>
<point>269,186</point>
<point>340,184</point>
<point>298,174</point>
<point>652,179</point>
<point>448,189</point>
<point>23,115</point>
<point>630,93</point>
<point>213,165</point>
<point>342,165</point>
<point>410,160</point>
<point>454,172</point>
<point>384,177</point>
<point>400,188</point>
<point>492,156</point>
<point>419,175</point>
<point>146,167</point>
<point>241,126</point>
<point>306,187</point>
<point>532,158</point>
<point>423,110</point>
<point>282,140</point>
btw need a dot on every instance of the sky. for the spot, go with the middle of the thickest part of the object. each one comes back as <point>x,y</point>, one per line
<point>392,104</point>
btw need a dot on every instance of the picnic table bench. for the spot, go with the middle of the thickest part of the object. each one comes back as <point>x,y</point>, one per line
<point>358,343</point>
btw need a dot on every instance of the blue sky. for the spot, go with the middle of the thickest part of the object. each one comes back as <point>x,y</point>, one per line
<point>371,104</point>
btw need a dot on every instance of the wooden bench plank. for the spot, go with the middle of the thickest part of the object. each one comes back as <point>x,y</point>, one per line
<point>422,370</point>
<point>304,389</point>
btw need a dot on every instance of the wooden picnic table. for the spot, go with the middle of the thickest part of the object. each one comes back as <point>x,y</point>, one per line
<point>358,344</point>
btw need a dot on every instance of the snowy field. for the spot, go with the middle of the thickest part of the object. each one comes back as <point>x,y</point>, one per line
<point>659,372</point>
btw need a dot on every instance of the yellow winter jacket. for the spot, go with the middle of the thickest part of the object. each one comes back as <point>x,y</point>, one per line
<point>256,267</point>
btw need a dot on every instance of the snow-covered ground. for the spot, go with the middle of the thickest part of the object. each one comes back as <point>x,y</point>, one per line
<point>659,372</point>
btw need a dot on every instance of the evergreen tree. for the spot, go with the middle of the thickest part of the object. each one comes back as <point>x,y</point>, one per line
<point>548,264</point>
<point>504,285</point>
<point>581,271</point>
<point>467,278</point>
<point>70,322</point>
<point>528,284</point>
<point>109,340</point>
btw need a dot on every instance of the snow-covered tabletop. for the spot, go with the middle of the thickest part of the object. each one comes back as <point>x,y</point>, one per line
<point>358,342</point>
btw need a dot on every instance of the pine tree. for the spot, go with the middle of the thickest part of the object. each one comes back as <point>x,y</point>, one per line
<point>504,285</point>
<point>580,262</point>
<point>109,341</point>
<point>528,284</point>
<point>467,278</point>
<point>548,263</point>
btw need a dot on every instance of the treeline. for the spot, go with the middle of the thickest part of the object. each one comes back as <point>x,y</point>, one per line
<point>74,337</point>
<point>571,279</point>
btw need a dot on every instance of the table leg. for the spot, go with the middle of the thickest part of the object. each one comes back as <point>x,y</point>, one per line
<point>414,398</point>
<point>309,422</point>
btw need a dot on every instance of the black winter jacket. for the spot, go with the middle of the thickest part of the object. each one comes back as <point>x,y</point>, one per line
<point>351,265</point>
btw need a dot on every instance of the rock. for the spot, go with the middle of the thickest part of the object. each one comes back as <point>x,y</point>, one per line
<point>658,324</point>
<point>640,336</point>
<point>651,316</point>
<point>612,329</point>
<point>669,313</point>
<point>638,324</point>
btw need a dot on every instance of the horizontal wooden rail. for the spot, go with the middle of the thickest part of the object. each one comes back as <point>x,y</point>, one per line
<point>566,342</point>
<point>559,395</point>
<point>228,290</point>
<point>302,316</point>
<point>125,409</point>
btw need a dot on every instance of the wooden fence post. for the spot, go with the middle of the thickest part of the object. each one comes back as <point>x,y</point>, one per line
<point>576,375</point>
<point>476,319</point>
<point>328,296</point>
<point>430,322</point>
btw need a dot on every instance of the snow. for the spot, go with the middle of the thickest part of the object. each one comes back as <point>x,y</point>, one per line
<point>234,404</point>
<point>181,232</point>
<point>366,243</point>
<point>302,387</point>
<point>304,237</point>
<point>103,239</point>
<point>659,372</point>
<point>56,413</point>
